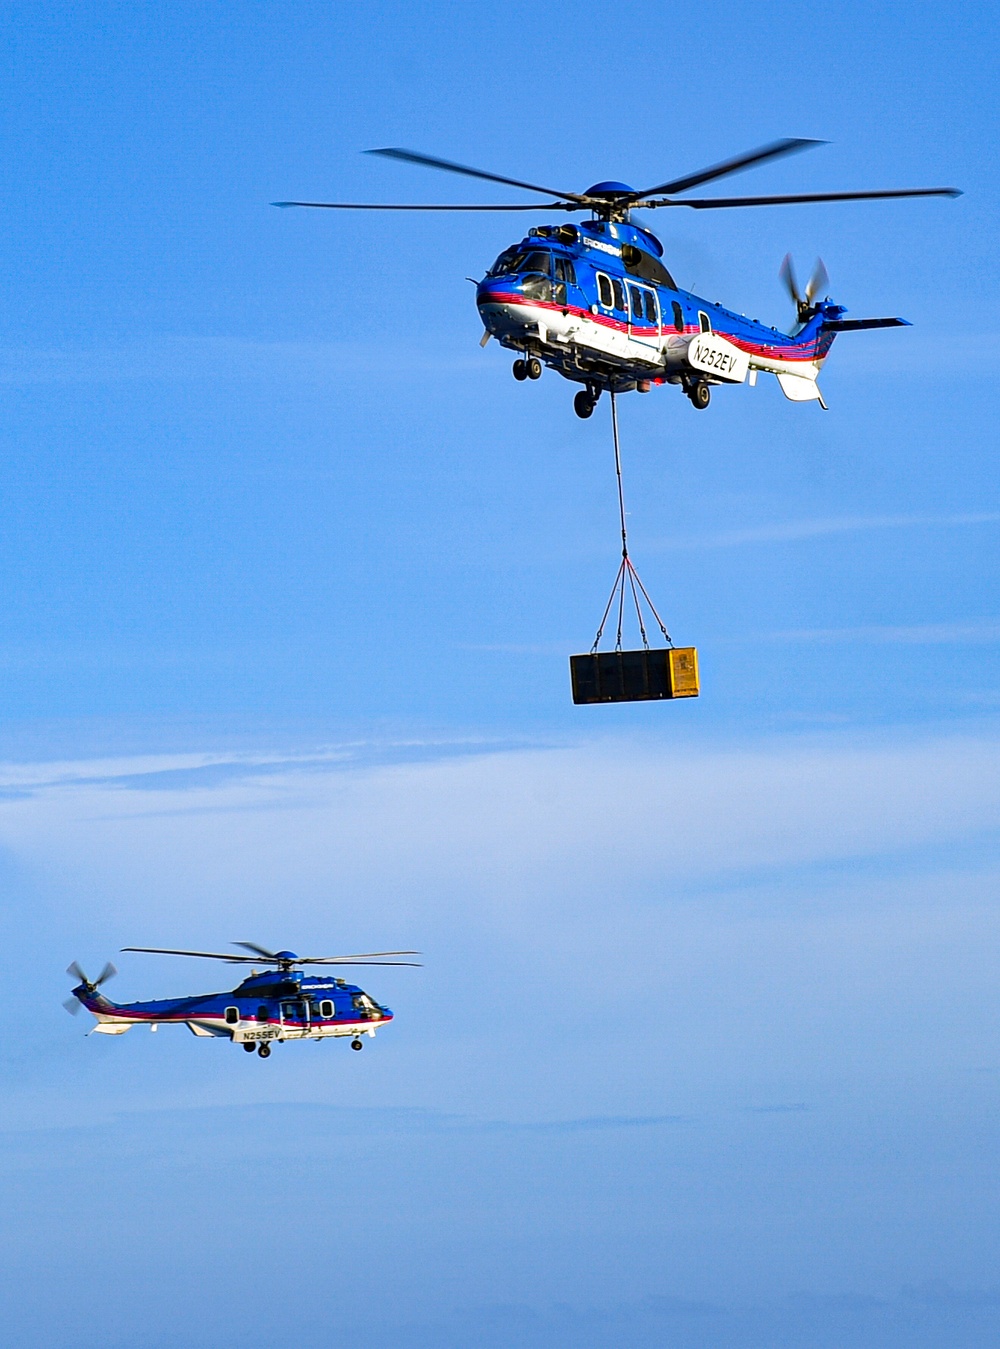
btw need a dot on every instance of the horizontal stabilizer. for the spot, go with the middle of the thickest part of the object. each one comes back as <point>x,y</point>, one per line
<point>856,325</point>
<point>800,389</point>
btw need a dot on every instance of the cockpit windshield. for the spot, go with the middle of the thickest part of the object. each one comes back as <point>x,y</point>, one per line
<point>364,1006</point>
<point>521,260</point>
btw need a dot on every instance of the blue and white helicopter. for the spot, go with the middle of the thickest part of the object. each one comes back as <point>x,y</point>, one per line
<point>280,1004</point>
<point>596,303</point>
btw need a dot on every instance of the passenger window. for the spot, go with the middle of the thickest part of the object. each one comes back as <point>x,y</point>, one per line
<point>678,317</point>
<point>263,1014</point>
<point>232,1016</point>
<point>619,294</point>
<point>635,294</point>
<point>326,1008</point>
<point>651,314</point>
<point>704,321</point>
<point>604,291</point>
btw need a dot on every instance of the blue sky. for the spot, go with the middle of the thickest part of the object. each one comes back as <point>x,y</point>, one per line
<point>706,1045</point>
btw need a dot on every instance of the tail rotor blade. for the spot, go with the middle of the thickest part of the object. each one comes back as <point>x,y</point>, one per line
<point>787,274</point>
<point>818,282</point>
<point>76,973</point>
<point>107,973</point>
<point>72,1006</point>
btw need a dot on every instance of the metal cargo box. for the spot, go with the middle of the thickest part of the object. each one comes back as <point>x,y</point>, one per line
<point>634,676</point>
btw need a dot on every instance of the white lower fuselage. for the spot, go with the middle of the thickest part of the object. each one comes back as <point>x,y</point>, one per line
<point>582,345</point>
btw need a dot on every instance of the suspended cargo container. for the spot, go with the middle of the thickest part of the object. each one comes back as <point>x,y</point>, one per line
<point>634,676</point>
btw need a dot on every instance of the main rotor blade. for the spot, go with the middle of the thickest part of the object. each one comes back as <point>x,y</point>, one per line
<point>789,146</point>
<point>204,955</point>
<point>410,206</point>
<point>257,950</point>
<point>717,203</point>
<point>374,958</point>
<point>414,964</point>
<point>413,157</point>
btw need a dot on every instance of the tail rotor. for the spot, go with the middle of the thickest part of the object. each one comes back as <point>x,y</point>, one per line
<point>805,304</point>
<point>73,1004</point>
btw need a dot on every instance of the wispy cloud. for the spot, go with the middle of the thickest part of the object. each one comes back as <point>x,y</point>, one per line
<point>488,825</point>
<point>796,1108</point>
<point>981,631</point>
<point>195,358</point>
<point>794,531</point>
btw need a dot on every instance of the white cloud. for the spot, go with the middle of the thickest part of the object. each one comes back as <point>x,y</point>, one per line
<point>494,829</point>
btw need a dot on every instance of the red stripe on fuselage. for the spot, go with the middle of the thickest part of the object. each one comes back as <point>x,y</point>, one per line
<point>804,352</point>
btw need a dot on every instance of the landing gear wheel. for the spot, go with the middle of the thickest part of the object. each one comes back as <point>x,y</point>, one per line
<point>700,395</point>
<point>356,1044</point>
<point>534,368</point>
<point>583,404</point>
<point>520,369</point>
<point>264,1050</point>
<point>249,1046</point>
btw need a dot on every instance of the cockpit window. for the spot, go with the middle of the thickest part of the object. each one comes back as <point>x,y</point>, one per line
<point>536,262</point>
<point>364,1006</point>
<point>506,262</point>
<point>521,260</point>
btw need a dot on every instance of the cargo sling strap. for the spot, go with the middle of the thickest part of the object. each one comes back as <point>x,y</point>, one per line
<point>626,571</point>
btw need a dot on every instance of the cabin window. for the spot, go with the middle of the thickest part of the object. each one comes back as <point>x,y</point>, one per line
<point>651,313</point>
<point>232,1016</point>
<point>704,321</point>
<point>326,1008</point>
<point>263,1014</point>
<point>604,291</point>
<point>619,295</point>
<point>635,295</point>
<point>678,317</point>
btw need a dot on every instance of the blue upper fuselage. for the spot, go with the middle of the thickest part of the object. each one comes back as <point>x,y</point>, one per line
<point>604,271</point>
<point>292,997</point>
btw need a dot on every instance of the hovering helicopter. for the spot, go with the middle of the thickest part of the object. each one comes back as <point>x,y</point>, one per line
<point>596,303</point>
<point>280,1004</point>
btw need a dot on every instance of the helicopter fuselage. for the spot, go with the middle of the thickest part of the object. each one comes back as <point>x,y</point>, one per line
<point>595,303</point>
<point>264,1008</point>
